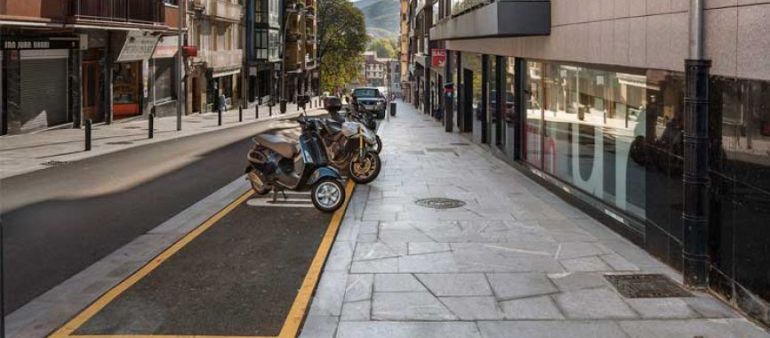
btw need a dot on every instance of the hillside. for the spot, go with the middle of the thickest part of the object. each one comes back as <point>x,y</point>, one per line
<point>382,17</point>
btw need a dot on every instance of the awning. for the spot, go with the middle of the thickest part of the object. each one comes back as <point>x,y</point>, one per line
<point>166,47</point>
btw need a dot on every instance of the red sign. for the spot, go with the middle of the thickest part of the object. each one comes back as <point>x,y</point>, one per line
<point>438,57</point>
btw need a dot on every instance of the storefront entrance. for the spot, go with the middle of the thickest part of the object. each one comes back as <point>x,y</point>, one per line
<point>126,84</point>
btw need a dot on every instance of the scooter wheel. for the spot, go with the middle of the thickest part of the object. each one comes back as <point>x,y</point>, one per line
<point>328,195</point>
<point>257,183</point>
<point>365,171</point>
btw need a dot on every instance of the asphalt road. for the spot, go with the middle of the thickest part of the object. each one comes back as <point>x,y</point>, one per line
<point>59,221</point>
<point>239,278</point>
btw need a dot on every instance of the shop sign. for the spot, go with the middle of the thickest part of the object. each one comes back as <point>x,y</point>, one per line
<point>139,46</point>
<point>166,47</point>
<point>14,42</point>
<point>438,57</point>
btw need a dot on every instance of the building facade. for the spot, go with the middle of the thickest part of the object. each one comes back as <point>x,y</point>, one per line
<point>589,99</point>
<point>263,23</point>
<point>375,70</point>
<point>215,29</point>
<point>68,61</point>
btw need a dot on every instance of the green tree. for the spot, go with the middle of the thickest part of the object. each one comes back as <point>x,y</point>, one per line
<point>384,47</point>
<point>341,41</point>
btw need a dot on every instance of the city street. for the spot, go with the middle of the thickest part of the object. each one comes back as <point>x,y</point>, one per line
<point>192,251</point>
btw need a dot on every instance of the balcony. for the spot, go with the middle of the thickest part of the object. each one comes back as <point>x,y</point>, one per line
<point>502,18</point>
<point>171,15</point>
<point>220,9</point>
<point>99,12</point>
<point>33,10</point>
<point>220,60</point>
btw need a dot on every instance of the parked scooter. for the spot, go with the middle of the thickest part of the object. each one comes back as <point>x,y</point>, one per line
<point>277,163</point>
<point>351,146</point>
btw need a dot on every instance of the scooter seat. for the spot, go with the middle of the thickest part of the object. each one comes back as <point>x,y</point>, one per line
<point>279,144</point>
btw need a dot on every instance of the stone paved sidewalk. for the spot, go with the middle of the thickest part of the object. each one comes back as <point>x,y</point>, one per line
<point>20,154</point>
<point>515,261</point>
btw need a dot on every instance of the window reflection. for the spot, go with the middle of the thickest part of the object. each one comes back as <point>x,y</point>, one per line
<point>582,124</point>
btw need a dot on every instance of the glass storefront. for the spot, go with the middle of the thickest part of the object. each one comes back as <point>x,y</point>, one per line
<point>740,183</point>
<point>472,83</point>
<point>581,127</point>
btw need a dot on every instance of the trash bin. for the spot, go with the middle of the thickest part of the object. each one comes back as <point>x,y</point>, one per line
<point>392,109</point>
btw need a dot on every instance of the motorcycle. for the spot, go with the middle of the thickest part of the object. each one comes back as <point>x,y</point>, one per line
<point>351,146</point>
<point>366,120</point>
<point>277,163</point>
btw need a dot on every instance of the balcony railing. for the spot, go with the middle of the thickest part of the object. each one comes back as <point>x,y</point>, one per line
<point>222,59</point>
<point>119,11</point>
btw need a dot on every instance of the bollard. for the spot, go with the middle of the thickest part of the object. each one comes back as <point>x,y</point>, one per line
<point>240,114</point>
<point>269,110</point>
<point>256,111</point>
<point>88,134</point>
<point>151,124</point>
<point>219,116</point>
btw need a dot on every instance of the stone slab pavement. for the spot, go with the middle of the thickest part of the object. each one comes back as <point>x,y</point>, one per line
<point>20,154</point>
<point>514,261</point>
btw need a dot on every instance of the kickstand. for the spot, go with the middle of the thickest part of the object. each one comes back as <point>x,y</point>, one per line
<point>275,195</point>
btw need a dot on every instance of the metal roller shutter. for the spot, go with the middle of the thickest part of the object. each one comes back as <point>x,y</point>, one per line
<point>43,93</point>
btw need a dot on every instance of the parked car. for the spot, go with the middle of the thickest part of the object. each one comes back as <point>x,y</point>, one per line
<point>370,99</point>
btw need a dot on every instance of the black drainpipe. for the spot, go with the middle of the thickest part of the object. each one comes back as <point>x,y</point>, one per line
<point>696,164</point>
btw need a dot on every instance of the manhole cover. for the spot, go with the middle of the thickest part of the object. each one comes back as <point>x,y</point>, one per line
<point>646,286</point>
<point>132,127</point>
<point>439,203</point>
<point>54,163</point>
<point>415,152</point>
<point>120,142</point>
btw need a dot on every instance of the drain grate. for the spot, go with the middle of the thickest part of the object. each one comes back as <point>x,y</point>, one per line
<point>415,152</point>
<point>439,203</point>
<point>120,142</point>
<point>54,163</point>
<point>646,286</point>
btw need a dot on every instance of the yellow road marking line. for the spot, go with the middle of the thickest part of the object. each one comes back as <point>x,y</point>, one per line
<point>298,308</point>
<point>91,310</point>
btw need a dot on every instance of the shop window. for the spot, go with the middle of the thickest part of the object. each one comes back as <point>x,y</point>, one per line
<point>582,125</point>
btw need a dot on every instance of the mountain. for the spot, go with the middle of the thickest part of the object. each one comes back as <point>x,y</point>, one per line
<point>382,17</point>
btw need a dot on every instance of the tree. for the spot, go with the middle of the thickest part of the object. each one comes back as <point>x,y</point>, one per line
<point>341,41</point>
<point>384,47</point>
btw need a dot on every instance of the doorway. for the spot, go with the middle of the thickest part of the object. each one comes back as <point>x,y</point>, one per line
<point>92,98</point>
<point>467,121</point>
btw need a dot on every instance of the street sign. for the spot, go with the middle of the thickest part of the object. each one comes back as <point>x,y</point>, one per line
<point>438,57</point>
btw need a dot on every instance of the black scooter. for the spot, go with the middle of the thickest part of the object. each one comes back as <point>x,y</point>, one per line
<point>277,163</point>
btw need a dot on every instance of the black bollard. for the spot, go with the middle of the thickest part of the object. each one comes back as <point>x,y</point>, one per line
<point>88,134</point>
<point>240,114</point>
<point>219,116</point>
<point>256,111</point>
<point>151,125</point>
<point>269,110</point>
